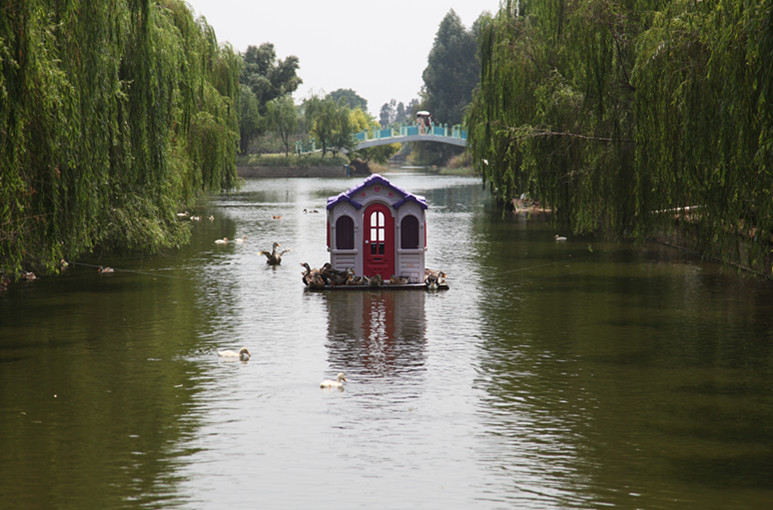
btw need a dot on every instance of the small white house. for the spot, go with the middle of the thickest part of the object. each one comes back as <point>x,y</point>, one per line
<point>376,227</point>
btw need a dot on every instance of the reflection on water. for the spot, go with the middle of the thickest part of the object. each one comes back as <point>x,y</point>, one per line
<point>377,333</point>
<point>620,377</point>
<point>548,376</point>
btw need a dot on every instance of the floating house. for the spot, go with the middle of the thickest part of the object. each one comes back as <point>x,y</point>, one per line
<point>378,228</point>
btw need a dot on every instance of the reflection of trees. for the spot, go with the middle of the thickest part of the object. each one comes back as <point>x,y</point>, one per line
<point>376,333</point>
<point>102,417</point>
<point>620,369</point>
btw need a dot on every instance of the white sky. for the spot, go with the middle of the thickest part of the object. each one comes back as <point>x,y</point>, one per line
<point>377,49</point>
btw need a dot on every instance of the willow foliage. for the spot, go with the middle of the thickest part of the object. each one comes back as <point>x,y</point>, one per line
<point>613,110</point>
<point>100,125</point>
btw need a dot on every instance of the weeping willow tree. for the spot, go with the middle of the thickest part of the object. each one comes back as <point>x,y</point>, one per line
<point>613,110</point>
<point>552,114</point>
<point>112,115</point>
<point>704,110</point>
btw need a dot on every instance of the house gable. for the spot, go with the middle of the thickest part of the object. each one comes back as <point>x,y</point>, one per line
<point>376,185</point>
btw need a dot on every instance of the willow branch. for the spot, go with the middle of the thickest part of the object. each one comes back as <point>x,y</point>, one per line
<point>544,132</point>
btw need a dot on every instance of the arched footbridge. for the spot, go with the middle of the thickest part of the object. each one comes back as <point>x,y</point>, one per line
<point>453,135</point>
<point>440,134</point>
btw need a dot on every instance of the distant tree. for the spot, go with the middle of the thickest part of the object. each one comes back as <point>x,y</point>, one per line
<point>387,114</point>
<point>361,121</point>
<point>381,153</point>
<point>452,71</point>
<point>266,76</point>
<point>329,123</point>
<point>412,108</point>
<point>400,113</point>
<point>397,113</point>
<point>249,118</point>
<point>282,117</point>
<point>349,98</point>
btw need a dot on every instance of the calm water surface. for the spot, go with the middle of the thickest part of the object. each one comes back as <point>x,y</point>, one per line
<point>575,375</point>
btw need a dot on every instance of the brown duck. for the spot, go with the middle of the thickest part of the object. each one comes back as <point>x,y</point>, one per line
<point>273,257</point>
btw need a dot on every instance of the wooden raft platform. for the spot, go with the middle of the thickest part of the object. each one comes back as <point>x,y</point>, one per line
<point>405,286</point>
<point>329,278</point>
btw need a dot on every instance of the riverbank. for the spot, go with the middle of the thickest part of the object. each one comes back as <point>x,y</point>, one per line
<point>684,234</point>
<point>734,250</point>
<point>250,172</point>
<point>292,165</point>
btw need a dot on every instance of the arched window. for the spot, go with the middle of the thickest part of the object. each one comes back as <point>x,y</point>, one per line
<point>409,233</point>
<point>345,233</point>
<point>377,232</point>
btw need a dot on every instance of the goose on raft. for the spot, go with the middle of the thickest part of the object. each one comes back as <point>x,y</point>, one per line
<point>243,354</point>
<point>338,383</point>
<point>312,278</point>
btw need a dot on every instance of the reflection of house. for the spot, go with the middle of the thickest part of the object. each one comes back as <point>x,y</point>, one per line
<point>376,333</point>
<point>378,228</point>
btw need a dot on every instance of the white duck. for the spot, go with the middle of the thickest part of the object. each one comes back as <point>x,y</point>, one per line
<point>243,354</point>
<point>338,383</point>
<point>559,239</point>
<point>222,241</point>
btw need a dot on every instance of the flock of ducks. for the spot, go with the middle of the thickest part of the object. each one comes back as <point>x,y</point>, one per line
<point>319,278</point>
<point>225,240</point>
<point>186,214</point>
<point>244,355</point>
<point>434,279</point>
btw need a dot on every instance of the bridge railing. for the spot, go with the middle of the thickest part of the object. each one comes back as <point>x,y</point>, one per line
<point>393,132</point>
<point>412,130</point>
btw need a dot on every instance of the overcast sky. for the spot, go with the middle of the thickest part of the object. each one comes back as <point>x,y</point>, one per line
<point>378,49</point>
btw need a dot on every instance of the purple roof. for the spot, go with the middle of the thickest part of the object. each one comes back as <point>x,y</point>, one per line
<point>349,195</point>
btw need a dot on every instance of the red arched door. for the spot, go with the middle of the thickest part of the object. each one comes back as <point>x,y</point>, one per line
<point>379,244</point>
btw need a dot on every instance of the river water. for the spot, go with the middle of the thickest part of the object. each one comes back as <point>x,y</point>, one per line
<point>551,375</point>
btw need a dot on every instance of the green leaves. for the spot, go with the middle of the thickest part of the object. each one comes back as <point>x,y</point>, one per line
<point>267,79</point>
<point>330,123</point>
<point>103,110</point>
<point>609,111</point>
<point>451,72</point>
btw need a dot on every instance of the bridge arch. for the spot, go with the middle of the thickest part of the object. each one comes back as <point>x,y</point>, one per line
<point>453,135</point>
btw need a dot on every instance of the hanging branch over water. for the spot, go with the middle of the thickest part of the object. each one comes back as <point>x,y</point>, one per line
<point>521,133</point>
<point>608,110</point>
<point>112,115</point>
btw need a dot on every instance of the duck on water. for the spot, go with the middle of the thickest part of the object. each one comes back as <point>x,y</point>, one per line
<point>274,257</point>
<point>337,384</point>
<point>242,355</point>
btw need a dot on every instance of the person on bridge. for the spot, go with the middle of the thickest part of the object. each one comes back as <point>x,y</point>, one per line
<point>424,122</point>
